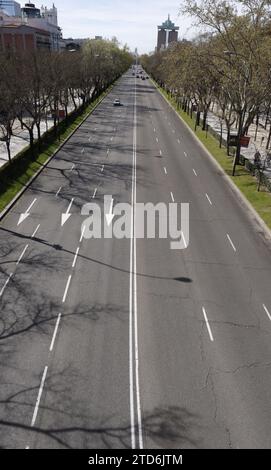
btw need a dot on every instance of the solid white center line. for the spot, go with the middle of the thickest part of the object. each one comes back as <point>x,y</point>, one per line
<point>195,173</point>
<point>165,170</point>
<point>94,194</point>
<point>172,197</point>
<point>185,154</point>
<point>20,258</point>
<point>58,191</point>
<point>231,242</point>
<point>157,139</point>
<point>207,323</point>
<point>133,325</point>
<point>102,169</point>
<point>161,153</point>
<point>55,332</point>
<point>208,197</point>
<point>267,312</point>
<point>35,231</point>
<point>75,257</point>
<point>66,289</point>
<point>5,285</point>
<point>39,396</point>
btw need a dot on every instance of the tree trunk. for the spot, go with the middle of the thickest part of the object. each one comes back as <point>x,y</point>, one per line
<point>205,114</point>
<point>238,148</point>
<point>31,140</point>
<point>257,127</point>
<point>8,149</point>
<point>267,116</point>
<point>269,139</point>
<point>39,134</point>
<point>228,140</point>
<point>197,122</point>
<point>191,110</point>
<point>221,133</point>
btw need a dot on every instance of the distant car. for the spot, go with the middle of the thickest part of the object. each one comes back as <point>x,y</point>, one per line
<point>143,78</point>
<point>137,76</point>
<point>117,102</point>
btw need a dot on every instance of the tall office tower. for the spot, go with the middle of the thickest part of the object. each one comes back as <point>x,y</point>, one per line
<point>10,8</point>
<point>167,34</point>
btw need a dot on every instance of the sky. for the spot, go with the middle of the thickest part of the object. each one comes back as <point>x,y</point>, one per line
<point>133,22</point>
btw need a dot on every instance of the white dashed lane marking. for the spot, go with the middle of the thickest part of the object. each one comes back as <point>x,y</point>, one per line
<point>207,324</point>
<point>267,311</point>
<point>209,200</point>
<point>231,242</point>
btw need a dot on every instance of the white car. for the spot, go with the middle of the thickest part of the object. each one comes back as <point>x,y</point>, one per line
<point>117,102</point>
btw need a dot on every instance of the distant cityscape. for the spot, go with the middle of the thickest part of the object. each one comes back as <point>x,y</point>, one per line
<point>27,27</point>
<point>30,28</point>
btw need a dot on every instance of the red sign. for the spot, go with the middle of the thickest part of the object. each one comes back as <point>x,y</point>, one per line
<point>244,141</point>
<point>61,113</point>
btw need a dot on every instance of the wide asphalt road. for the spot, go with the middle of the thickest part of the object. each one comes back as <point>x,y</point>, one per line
<point>108,343</point>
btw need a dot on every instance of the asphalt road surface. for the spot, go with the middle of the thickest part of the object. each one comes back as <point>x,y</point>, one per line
<point>108,343</point>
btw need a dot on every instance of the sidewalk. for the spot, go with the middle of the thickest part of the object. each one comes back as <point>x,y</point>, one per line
<point>214,122</point>
<point>20,139</point>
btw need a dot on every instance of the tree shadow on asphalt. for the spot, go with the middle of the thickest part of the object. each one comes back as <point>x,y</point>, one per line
<point>28,316</point>
<point>57,247</point>
<point>80,182</point>
<point>164,427</point>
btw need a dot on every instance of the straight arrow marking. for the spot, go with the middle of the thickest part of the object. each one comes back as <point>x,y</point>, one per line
<point>110,216</point>
<point>67,215</point>
<point>25,214</point>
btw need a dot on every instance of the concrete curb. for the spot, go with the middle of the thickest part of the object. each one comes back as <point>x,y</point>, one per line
<point>35,176</point>
<point>256,219</point>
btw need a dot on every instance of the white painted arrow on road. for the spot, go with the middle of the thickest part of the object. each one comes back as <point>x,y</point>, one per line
<point>67,215</point>
<point>110,216</point>
<point>25,214</point>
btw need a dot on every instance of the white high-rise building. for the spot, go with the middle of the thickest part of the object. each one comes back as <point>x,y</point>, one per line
<point>10,7</point>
